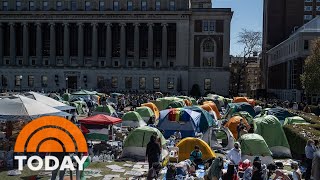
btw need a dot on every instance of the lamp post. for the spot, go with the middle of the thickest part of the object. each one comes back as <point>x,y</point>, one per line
<point>20,77</point>
<point>66,84</point>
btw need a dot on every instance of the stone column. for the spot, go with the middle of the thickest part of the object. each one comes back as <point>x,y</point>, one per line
<point>150,44</point>
<point>123,45</point>
<point>164,48</point>
<point>39,44</point>
<point>25,44</point>
<point>80,44</point>
<point>12,44</point>
<point>136,44</point>
<point>108,45</point>
<point>226,43</point>
<point>1,44</point>
<point>52,44</point>
<point>94,43</point>
<point>66,44</point>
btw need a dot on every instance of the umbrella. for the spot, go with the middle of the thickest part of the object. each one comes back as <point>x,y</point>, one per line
<point>100,119</point>
<point>48,101</point>
<point>23,108</point>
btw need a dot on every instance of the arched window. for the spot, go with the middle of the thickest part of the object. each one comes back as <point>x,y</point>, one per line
<point>208,46</point>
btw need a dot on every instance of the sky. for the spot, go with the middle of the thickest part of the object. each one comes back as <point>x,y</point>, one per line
<point>248,14</point>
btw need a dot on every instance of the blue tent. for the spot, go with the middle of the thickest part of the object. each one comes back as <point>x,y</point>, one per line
<point>237,107</point>
<point>278,112</point>
<point>206,119</point>
<point>185,120</point>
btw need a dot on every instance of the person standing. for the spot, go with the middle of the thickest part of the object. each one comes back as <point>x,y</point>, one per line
<point>234,154</point>
<point>309,150</point>
<point>316,166</point>
<point>153,151</point>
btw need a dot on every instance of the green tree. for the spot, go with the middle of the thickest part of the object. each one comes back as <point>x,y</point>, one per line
<point>310,79</point>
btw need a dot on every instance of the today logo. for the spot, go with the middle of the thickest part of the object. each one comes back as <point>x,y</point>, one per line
<point>50,134</point>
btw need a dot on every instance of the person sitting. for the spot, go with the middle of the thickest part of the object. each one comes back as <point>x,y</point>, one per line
<point>196,156</point>
<point>234,155</point>
<point>153,172</point>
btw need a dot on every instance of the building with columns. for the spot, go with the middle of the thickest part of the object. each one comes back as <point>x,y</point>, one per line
<point>114,45</point>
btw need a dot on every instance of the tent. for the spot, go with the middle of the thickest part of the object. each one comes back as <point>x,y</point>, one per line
<point>213,106</point>
<point>163,103</point>
<point>101,119</point>
<point>193,101</point>
<point>240,99</point>
<point>186,146</point>
<point>253,145</point>
<point>237,107</point>
<point>135,144</point>
<point>269,127</point>
<point>81,107</point>
<point>185,120</point>
<point>233,123</point>
<point>217,102</point>
<point>153,107</point>
<point>48,101</point>
<point>176,104</point>
<point>84,92</point>
<point>207,108</point>
<point>66,96</point>
<point>19,107</point>
<point>187,100</point>
<point>132,119</point>
<point>109,110</point>
<point>245,115</point>
<point>213,136</point>
<point>206,119</point>
<point>294,120</point>
<point>145,113</point>
<point>278,112</point>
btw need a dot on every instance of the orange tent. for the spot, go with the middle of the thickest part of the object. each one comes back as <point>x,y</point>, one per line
<point>240,99</point>
<point>187,102</point>
<point>213,107</point>
<point>252,102</point>
<point>233,123</point>
<point>154,108</point>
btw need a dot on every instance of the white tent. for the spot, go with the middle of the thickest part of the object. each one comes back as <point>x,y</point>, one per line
<point>210,137</point>
<point>22,108</point>
<point>48,101</point>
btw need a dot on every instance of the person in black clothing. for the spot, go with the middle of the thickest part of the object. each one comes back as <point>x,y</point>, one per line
<point>153,151</point>
<point>257,173</point>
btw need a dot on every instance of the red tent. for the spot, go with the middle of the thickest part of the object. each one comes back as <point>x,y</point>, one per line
<point>101,119</point>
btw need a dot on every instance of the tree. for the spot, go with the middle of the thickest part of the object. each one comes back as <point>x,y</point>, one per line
<point>251,41</point>
<point>310,78</point>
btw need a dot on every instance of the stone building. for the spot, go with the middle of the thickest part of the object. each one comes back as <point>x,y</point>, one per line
<point>119,45</point>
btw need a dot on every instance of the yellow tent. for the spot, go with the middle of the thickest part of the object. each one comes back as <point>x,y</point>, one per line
<point>153,107</point>
<point>186,146</point>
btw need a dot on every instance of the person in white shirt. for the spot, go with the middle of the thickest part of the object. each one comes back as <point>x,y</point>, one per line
<point>234,155</point>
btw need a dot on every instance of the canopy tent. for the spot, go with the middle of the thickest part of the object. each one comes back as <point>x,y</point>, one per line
<point>19,107</point>
<point>153,107</point>
<point>101,119</point>
<point>294,120</point>
<point>213,136</point>
<point>48,101</point>
<point>109,110</point>
<point>233,123</point>
<point>163,103</point>
<point>213,106</point>
<point>135,144</point>
<point>253,145</point>
<point>206,119</point>
<point>233,108</point>
<point>145,112</point>
<point>185,120</point>
<point>269,127</point>
<point>280,113</point>
<point>186,146</point>
<point>132,119</point>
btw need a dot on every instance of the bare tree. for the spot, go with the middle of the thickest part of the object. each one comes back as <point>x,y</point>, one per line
<point>251,41</point>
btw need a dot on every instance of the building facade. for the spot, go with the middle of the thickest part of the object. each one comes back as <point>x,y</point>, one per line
<point>120,45</point>
<point>286,60</point>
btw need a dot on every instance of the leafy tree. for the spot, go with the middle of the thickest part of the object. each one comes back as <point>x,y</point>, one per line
<point>310,79</point>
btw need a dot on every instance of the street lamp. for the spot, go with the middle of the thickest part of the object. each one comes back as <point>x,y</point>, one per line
<point>66,84</point>
<point>20,77</point>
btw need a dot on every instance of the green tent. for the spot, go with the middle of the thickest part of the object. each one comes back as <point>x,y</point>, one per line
<point>163,103</point>
<point>245,115</point>
<point>66,96</point>
<point>140,137</point>
<point>254,145</point>
<point>176,104</point>
<point>132,119</point>
<point>107,109</point>
<point>145,112</point>
<point>294,120</point>
<point>80,106</point>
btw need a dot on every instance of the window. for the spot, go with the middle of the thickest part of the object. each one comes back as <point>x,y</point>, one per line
<point>158,5</point>
<point>44,81</point>
<point>308,8</point>
<point>115,5</point>
<point>171,64</point>
<point>170,83</point>
<point>101,6</point>
<point>18,5</point>
<point>205,26</point>
<point>100,82</point>
<point>200,5</point>
<point>208,46</point>
<point>143,64</point>
<point>308,0</point>
<point>4,5</point>
<point>143,5</point>
<point>156,83</point>
<point>307,17</point>
<point>102,63</point>
<point>157,64</point>
<point>73,5</point>
<point>30,81</point>
<point>129,6</point>
<point>211,25</point>
<point>31,6</point>
<point>318,8</point>
<point>45,5</point>
<point>128,82</point>
<point>4,80</point>
<point>114,82</point>
<point>18,79</point>
<point>59,5</point>
<point>88,6</point>
<point>172,6</point>
<point>306,45</point>
<point>33,62</point>
<point>142,83</point>
<point>116,64</point>
<point>207,84</point>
